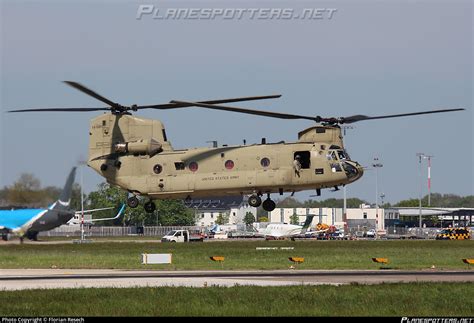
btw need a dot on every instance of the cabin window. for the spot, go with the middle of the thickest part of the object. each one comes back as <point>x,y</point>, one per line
<point>179,165</point>
<point>157,169</point>
<point>365,215</point>
<point>193,166</point>
<point>265,162</point>
<point>305,159</point>
<point>229,164</point>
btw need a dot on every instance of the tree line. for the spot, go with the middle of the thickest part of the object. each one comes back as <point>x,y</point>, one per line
<point>436,200</point>
<point>27,192</point>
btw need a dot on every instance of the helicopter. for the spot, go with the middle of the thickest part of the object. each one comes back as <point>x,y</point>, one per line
<point>135,154</point>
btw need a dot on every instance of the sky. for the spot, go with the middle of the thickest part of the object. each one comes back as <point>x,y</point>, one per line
<point>370,57</point>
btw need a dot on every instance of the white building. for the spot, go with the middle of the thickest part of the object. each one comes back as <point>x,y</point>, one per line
<point>360,217</point>
<point>233,209</point>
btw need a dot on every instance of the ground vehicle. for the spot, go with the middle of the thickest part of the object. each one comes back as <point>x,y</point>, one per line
<point>454,234</point>
<point>182,236</point>
<point>370,233</point>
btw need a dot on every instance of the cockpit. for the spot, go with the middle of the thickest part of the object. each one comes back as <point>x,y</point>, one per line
<point>339,160</point>
<point>336,153</point>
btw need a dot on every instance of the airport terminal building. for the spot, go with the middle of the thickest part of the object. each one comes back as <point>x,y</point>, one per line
<point>361,218</point>
<point>366,217</point>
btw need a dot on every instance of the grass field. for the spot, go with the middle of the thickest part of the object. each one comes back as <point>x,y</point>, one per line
<point>438,299</point>
<point>403,254</point>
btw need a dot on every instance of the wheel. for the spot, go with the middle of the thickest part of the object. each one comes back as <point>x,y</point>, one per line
<point>32,235</point>
<point>268,205</point>
<point>132,202</point>
<point>255,200</point>
<point>150,207</point>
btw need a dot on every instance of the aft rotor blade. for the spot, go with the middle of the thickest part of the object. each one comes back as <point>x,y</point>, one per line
<point>248,111</point>
<point>93,94</point>
<point>185,105</point>
<point>357,118</point>
<point>61,110</point>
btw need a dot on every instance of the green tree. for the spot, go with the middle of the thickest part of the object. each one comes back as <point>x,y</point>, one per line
<point>249,219</point>
<point>222,218</point>
<point>111,196</point>
<point>288,202</point>
<point>410,203</point>
<point>168,212</point>
<point>294,219</point>
<point>26,192</point>
<point>174,212</point>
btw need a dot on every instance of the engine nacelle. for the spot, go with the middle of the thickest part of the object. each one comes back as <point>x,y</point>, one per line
<point>140,147</point>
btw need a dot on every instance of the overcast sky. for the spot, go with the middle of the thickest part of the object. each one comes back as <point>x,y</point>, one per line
<point>372,57</point>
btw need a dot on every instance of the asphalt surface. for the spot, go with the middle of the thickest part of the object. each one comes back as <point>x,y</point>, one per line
<point>18,279</point>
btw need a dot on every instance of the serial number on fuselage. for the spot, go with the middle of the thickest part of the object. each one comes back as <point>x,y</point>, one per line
<point>219,178</point>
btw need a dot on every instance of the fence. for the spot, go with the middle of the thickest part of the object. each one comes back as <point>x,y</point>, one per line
<point>101,231</point>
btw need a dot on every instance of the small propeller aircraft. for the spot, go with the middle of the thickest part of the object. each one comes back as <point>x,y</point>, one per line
<point>135,154</point>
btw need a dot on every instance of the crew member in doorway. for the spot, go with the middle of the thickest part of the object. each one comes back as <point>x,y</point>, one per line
<point>297,165</point>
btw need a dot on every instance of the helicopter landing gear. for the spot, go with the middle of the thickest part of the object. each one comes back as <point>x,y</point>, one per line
<point>254,200</point>
<point>132,202</point>
<point>150,207</point>
<point>268,205</point>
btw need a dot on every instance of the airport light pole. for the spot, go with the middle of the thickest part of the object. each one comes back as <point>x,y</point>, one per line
<point>376,165</point>
<point>429,177</point>
<point>420,157</point>
<point>82,201</point>
<point>344,209</point>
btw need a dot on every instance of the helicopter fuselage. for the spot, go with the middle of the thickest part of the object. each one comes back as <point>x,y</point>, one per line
<point>135,154</point>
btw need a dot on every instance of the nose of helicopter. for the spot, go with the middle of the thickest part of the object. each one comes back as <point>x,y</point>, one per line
<point>353,170</point>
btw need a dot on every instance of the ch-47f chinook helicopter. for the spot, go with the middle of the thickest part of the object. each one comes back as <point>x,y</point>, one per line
<point>136,155</point>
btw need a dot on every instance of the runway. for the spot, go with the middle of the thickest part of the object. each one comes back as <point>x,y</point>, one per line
<point>19,279</point>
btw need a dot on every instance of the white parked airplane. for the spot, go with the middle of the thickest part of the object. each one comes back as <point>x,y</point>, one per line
<point>285,230</point>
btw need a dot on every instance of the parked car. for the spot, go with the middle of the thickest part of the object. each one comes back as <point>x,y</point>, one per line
<point>370,233</point>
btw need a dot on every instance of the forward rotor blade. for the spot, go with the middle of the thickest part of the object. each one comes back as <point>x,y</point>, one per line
<point>61,110</point>
<point>93,94</point>
<point>357,118</point>
<point>183,105</point>
<point>248,111</point>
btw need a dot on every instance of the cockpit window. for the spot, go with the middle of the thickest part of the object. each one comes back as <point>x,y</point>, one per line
<point>339,154</point>
<point>332,155</point>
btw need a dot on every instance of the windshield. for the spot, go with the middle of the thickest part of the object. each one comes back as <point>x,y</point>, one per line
<point>171,233</point>
<point>339,154</point>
